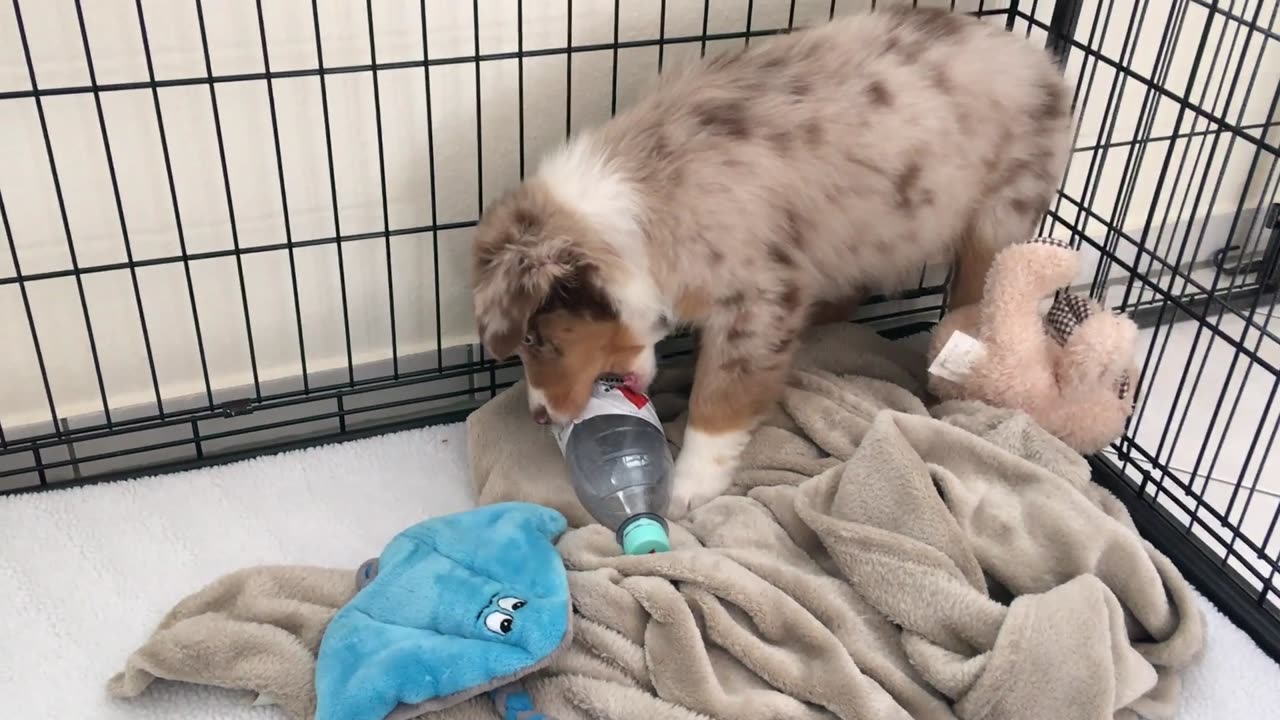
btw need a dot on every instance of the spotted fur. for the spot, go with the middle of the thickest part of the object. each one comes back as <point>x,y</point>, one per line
<point>754,192</point>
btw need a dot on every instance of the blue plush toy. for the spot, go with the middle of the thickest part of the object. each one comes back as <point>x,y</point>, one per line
<point>454,607</point>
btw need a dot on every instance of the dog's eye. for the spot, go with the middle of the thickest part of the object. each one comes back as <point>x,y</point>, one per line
<point>499,623</point>
<point>511,604</point>
<point>529,339</point>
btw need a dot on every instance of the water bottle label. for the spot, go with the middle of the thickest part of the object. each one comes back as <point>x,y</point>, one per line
<point>610,399</point>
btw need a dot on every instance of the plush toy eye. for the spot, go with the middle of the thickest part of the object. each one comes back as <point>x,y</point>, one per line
<point>499,623</point>
<point>511,604</point>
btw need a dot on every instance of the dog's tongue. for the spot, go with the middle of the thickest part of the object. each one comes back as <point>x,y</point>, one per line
<point>631,381</point>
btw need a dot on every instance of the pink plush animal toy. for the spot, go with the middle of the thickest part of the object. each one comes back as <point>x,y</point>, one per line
<point>1072,370</point>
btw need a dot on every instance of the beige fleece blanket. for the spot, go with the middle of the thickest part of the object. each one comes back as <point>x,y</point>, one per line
<point>877,561</point>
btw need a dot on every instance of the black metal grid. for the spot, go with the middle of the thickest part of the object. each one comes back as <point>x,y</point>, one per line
<point>1209,347</point>
<point>59,455</point>
<point>1138,196</point>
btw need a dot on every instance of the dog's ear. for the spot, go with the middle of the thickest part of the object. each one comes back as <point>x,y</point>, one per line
<point>503,337</point>
<point>516,278</point>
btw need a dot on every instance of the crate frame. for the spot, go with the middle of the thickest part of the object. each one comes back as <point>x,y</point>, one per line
<point>460,379</point>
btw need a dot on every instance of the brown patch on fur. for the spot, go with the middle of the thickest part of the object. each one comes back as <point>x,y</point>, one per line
<point>718,409</point>
<point>780,255</point>
<point>790,296</point>
<point>800,87</point>
<point>909,50</point>
<point>736,365</point>
<point>733,299</point>
<point>813,133</point>
<point>525,220</point>
<point>933,23</point>
<point>878,94</point>
<point>732,391</point>
<point>973,260</point>
<point>522,266</point>
<point>1033,208</point>
<point>918,30</point>
<point>831,311</point>
<point>940,80</point>
<point>1054,102</point>
<point>724,117</point>
<point>990,165</point>
<point>693,305</point>
<point>782,345</point>
<point>727,59</point>
<point>1019,170</point>
<point>740,330</point>
<point>580,293</point>
<point>501,344</point>
<point>1041,210</point>
<point>575,350</point>
<point>905,184</point>
<point>661,150</point>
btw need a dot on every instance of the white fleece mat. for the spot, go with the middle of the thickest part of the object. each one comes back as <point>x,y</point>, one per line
<point>86,573</point>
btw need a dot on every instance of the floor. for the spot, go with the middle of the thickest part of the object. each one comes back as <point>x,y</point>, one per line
<point>1210,415</point>
<point>87,572</point>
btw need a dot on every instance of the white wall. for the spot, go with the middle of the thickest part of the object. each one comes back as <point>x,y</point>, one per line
<point>1212,175</point>
<point>37,232</point>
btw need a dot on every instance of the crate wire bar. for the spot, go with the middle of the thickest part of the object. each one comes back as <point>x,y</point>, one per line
<point>61,435</point>
<point>1171,194</point>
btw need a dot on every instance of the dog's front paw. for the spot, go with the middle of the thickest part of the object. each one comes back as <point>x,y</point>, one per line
<point>692,491</point>
<point>704,469</point>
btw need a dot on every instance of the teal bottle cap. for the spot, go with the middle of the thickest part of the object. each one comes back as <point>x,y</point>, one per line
<point>643,536</point>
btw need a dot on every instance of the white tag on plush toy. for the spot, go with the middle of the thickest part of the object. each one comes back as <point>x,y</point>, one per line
<point>957,357</point>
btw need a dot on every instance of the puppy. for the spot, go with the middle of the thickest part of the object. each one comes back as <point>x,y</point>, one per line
<point>755,187</point>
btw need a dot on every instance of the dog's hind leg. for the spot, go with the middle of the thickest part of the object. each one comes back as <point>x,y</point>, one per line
<point>1010,216</point>
<point>973,259</point>
<point>826,312</point>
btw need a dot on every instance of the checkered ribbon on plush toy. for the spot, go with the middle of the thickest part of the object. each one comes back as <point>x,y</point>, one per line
<point>1056,242</point>
<point>1065,315</point>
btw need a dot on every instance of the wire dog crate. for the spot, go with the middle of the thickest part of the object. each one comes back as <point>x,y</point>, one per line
<point>240,227</point>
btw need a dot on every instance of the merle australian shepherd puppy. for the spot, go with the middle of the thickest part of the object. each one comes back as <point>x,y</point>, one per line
<point>755,188</point>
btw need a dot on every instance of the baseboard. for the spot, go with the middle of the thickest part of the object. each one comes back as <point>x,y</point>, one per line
<point>236,426</point>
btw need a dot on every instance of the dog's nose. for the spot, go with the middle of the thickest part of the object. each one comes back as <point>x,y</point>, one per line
<point>541,416</point>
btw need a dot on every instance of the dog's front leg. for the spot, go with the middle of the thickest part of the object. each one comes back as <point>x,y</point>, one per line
<point>737,378</point>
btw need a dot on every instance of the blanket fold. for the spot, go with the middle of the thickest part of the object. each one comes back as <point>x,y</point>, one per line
<point>986,575</point>
<point>257,629</point>
<point>876,558</point>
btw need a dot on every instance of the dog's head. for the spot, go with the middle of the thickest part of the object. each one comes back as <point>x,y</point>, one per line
<point>540,281</point>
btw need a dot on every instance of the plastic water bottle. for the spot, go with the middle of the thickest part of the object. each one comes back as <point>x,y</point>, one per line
<point>621,466</point>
